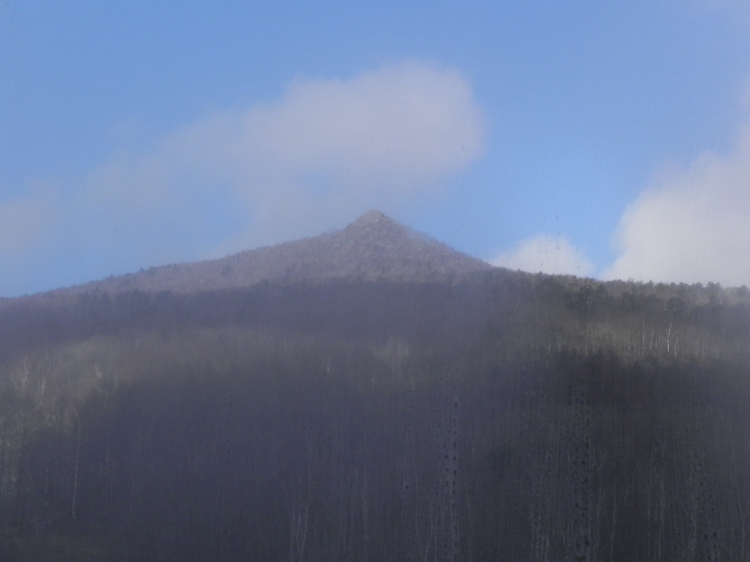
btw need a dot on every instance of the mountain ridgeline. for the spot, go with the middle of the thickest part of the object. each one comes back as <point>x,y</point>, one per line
<point>372,395</point>
<point>372,248</point>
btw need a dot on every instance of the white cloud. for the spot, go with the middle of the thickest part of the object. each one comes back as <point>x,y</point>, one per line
<point>235,179</point>
<point>691,225</point>
<point>407,123</point>
<point>326,151</point>
<point>546,254</point>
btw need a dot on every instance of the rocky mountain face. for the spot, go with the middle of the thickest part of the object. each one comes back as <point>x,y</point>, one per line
<point>372,248</point>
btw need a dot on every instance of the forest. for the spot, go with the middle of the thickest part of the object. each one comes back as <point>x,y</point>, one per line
<point>502,416</point>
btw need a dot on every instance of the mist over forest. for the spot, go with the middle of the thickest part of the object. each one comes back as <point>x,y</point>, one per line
<point>374,395</point>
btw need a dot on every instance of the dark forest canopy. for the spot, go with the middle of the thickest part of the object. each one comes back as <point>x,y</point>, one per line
<point>491,415</point>
<point>506,416</point>
<point>534,307</point>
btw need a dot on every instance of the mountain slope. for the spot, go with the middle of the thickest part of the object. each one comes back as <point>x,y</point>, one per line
<point>372,248</point>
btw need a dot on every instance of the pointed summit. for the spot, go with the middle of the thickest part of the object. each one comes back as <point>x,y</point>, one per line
<point>369,218</point>
<point>372,248</point>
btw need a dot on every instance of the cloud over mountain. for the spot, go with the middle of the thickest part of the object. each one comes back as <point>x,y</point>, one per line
<point>326,150</point>
<point>691,225</point>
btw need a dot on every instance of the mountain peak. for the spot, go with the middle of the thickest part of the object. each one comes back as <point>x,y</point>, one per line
<point>371,217</point>
<point>372,248</point>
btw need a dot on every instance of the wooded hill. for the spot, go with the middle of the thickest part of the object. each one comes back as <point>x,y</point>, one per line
<point>414,406</point>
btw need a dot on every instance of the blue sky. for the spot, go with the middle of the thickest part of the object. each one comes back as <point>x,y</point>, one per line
<point>603,139</point>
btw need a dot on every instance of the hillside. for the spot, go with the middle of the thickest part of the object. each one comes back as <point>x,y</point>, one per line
<point>370,394</point>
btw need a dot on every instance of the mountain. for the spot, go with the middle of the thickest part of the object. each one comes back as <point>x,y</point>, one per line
<point>372,248</point>
<point>492,416</point>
